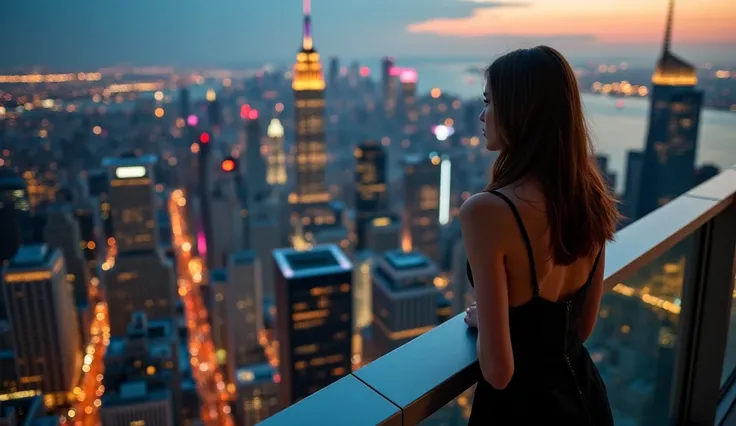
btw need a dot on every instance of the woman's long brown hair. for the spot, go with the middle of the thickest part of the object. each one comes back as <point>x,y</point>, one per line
<point>540,124</point>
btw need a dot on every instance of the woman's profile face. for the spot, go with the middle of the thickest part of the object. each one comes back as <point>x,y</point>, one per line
<point>489,123</point>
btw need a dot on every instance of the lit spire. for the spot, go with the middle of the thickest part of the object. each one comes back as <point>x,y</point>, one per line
<point>668,28</point>
<point>307,37</point>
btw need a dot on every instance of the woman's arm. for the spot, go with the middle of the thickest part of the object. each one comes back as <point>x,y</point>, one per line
<point>485,221</point>
<point>593,299</point>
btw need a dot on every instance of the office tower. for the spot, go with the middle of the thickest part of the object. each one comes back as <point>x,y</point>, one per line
<point>258,393</point>
<point>334,73</point>
<point>314,306</point>
<point>40,304</point>
<point>62,232</point>
<point>88,230</point>
<point>634,164</point>
<point>383,234</point>
<point>389,86</point>
<point>309,99</point>
<point>674,117</point>
<point>362,290</point>
<point>218,289</point>
<point>99,188</point>
<point>140,278</point>
<point>15,214</point>
<point>135,404</point>
<point>255,167</point>
<point>184,103</point>
<point>244,310</point>
<point>264,240</point>
<point>403,282</point>
<point>408,79</point>
<point>422,203</point>
<point>371,196</point>
<point>228,230</point>
<point>608,175</point>
<point>276,172</point>
<point>142,374</point>
<point>214,113</point>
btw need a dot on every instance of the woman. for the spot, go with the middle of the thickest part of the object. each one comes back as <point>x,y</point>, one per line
<point>535,240</point>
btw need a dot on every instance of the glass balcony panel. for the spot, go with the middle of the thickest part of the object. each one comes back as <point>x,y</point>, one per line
<point>635,340</point>
<point>455,413</point>
<point>729,360</point>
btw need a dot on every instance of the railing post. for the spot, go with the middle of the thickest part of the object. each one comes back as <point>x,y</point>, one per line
<point>707,296</point>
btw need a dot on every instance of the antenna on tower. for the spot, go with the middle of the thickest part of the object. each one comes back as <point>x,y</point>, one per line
<point>307,37</point>
<point>668,28</point>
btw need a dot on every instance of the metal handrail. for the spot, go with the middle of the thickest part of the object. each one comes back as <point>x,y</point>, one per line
<point>410,383</point>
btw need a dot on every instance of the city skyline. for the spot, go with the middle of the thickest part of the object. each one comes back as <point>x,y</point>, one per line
<point>169,32</point>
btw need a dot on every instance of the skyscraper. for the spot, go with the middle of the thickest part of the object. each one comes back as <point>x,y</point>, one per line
<point>314,302</point>
<point>244,310</point>
<point>422,203</point>
<point>389,84</point>
<point>403,282</point>
<point>309,109</point>
<point>371,198</point>
<point>276,157</point>
<point>255,167</point>
<point>668,168</point>
<point>408,79</point>
<point>62,232</point>
<point>43,319</point>
<point>15,211</point>
<point>141,278</point>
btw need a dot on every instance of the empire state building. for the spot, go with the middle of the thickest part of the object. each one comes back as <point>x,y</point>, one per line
<point>309,109</point>
<point>668,169</point>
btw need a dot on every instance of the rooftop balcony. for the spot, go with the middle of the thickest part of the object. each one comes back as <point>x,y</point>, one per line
<point>665,341</point>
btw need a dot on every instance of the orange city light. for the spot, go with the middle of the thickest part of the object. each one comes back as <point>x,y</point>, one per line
<point>228,165</point>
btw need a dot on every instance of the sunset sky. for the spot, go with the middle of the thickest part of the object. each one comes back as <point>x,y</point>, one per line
<point>93,33</point>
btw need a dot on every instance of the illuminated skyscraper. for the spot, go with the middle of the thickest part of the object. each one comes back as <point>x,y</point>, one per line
<point>422,175</point>
<point>403,282</point>
<point>383,234</point>
<point>244,310</point>
<point>371,198</point>
<point>309,99</point>
<point>408,79</point>
<point>62,232</point>
<point>668,168</point>
<point>140,278</point>
<point>43,319</point>
<point>15,211</point>
<point>255,167</point>
<point>389,85</point>
<point>143,375</point>
<point>314,305</point>
<point>276,171</point>
<point>258,393</point>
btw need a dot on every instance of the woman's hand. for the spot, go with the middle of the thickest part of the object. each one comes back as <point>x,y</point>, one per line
<point>471,316</point>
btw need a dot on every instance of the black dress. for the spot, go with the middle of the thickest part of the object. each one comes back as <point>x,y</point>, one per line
<point>555,381</point>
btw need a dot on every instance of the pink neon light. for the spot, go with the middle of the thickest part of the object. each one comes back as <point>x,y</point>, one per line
<point>201,243</point>
<point>192,120</point>
<point>394,71</point>
<point>253,114</point>
<point>307,7</point>
<point>365,71</point>
<point>409,75</point>
<point>244,111</point>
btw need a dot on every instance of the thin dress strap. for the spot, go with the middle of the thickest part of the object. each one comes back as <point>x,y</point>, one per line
<point>525,236</point>
<point>595,266</point>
